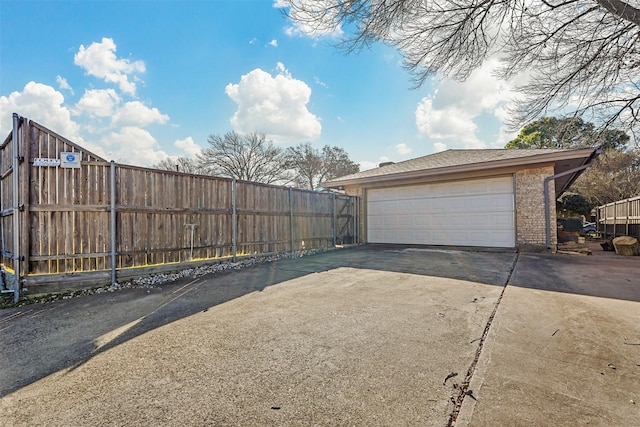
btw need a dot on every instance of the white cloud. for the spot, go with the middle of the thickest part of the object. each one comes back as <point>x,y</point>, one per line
<point>63,84</point>
<point>133,145</point>
<point>453,112</point>
<point>99,60</point>
<point>43,104</point>
<point>439,146</point>
<point>98,102</point>
<point>283,70</point>
<point>403,149</point>
<point>320,82</point>
<point>276,106</point>
<point>451,123</point>
<point>273,43</point>
<point>135,113</point>
<point>188,146</point>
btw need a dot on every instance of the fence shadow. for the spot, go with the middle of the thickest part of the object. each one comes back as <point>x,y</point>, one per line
<point>604,274</point>
<point>41,339</point>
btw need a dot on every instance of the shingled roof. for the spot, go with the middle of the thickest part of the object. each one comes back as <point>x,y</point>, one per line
<point>451,161</point>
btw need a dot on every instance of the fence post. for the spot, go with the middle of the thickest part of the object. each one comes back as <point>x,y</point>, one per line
<point>112,222</point>
<point>628,208</point>
<point>15,164</point>
<point>333,224</point>
<point>356,220</point>
<point>234,221</point>
<point>25,195</point>
<point>291,227</point>
<point>615,220</point>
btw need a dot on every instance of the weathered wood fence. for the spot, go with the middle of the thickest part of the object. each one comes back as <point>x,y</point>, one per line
<point>68,216</point>
<point>619,218</point>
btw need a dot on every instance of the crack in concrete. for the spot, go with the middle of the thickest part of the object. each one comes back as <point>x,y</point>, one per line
<point>463,389</point>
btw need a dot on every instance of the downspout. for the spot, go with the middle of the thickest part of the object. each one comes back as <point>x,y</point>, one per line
<point>547,213</point>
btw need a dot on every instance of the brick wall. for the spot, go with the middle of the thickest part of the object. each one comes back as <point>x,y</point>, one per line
<point>530,208</point>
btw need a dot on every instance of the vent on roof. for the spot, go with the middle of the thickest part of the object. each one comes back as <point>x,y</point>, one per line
<point>385,164</point>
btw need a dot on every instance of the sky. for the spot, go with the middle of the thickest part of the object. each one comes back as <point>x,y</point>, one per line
<point>140,81</point>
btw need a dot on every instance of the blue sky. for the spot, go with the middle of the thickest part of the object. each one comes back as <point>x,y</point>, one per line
<point>137,81</point>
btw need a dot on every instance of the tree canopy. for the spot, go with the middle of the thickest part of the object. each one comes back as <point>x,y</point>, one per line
<point>614,175</point>
<point>572,204</point>
<point>551,132</point>
<point>314,166</point>
<point>248,157</point>
<point>253,158</point>
<point>579,57</point>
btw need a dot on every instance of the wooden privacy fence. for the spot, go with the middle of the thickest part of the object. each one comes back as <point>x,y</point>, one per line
<point>620,218</point>
<point>68,215</point>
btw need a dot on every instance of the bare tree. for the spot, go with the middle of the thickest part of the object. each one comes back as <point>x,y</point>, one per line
<point>313,166</point>
<point>307,163</point>
<point>180,164</point>
<point>582,56</point>
<point>615,176</point>
<point>245,157</point>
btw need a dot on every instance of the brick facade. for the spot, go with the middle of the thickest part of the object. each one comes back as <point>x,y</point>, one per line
<point>530,208</point>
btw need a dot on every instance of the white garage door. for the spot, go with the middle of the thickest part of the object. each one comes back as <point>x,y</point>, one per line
<point>477,212</point>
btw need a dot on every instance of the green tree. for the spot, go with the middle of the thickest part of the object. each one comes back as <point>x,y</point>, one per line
<point>551,132</point>
<point>580,56</point>
<point>614,175</point>
<point>245,157</point>
<point>313,166</point>
<point>572,204</point>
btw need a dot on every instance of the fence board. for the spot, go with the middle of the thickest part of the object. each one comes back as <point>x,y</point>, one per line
<point>620,218</point>
<point>68,214</point>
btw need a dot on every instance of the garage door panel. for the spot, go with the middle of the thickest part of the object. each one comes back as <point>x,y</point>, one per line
<point>467,203</point>
<point>466,213</point>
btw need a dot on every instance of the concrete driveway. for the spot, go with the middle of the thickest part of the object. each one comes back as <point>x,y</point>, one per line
<point>366,336</point>
<point>564,346</point>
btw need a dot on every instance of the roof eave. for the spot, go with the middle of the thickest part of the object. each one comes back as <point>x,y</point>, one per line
<point>494,164</point>
<point>596,152</point>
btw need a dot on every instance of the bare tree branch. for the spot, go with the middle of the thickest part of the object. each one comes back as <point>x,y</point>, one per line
<point>245,157</point>
<point>582,56</point>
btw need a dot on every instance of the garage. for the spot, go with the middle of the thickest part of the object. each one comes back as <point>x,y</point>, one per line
<point>479,198</point>
<point>478,212</point>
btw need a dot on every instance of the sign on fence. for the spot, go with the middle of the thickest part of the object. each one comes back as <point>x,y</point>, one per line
<point>44,161</point>
<point>70,160</point>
